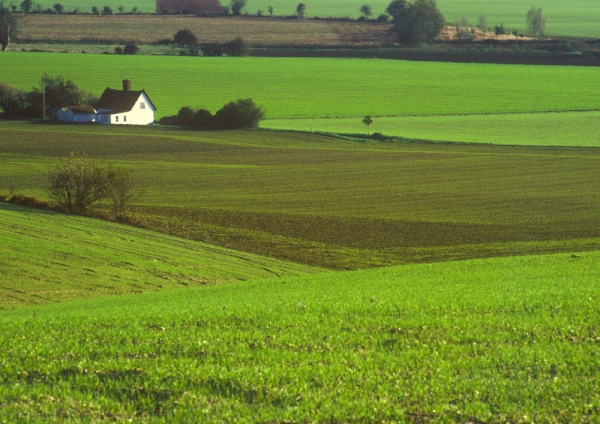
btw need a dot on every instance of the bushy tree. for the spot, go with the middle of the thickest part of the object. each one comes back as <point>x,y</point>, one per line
<point>130,48</point>
<point>203,118</point>
<point>120,190</point>
<point>58,8</point>
<point>365,9</point>
<point>499,30</point>
<point>60,92</point>
<point>185,116</point>
<point>270,10</point>
<point>482,24</point>
<point>185,37</point>
<point>242,113</point>
<point>301,10</point>
<point>77,183</point>
<point>237,6</point>
<point>536,22</point>
<point>8,25</point>
<point>12,99</point>
<point>235,47</point>
<point>107,10</point>
<point>95,10</point>
<point>26,6</point>
<point>417,22</point>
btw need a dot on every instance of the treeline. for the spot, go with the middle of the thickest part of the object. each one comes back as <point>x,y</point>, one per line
<point>242,113</point>
<point>59,92</point>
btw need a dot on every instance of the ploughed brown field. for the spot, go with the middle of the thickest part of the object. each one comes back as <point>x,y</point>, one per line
<point>145,29</point>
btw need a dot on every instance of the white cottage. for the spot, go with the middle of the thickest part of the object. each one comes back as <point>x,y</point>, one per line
<point>125,107</point>
<point>78,114</point>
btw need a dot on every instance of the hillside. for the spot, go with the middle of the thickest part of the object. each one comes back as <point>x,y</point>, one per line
<point>329,202</point>
<point>49,257</point>
<point>497,340</point>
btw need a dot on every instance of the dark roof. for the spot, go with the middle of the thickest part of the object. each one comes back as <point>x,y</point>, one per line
<point>119,101</point>
<point>82,110</point>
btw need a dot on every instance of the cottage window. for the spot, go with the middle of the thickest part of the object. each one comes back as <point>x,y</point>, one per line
<point>142,105</point>
<point>124,118</point>
<point>116,119</point>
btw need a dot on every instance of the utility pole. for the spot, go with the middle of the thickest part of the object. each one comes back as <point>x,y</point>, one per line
<point>43,98</point>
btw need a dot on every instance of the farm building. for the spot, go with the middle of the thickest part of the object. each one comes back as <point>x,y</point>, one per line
<point>78,114</point>
<point>196,7</point>
<point>116,107</point>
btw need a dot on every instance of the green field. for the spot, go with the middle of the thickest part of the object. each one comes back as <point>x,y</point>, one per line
<point>315,88</point>
<point>578,18</point>
<point>543,129</point>
<point>498,340</point>
<point>49,257</point>
<point>329,202</point>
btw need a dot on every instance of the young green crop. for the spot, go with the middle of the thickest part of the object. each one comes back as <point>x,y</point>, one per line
<point>533,129</point>
<point>312,88</point>
<point>512,339</point>
<point>329,202</point>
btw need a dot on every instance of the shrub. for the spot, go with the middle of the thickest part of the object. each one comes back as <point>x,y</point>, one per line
<point>384,17</point>
<point>242,113</point>
<point>185,37</point>
<point>203,118</point>
<point>212,49</point>
<point>130,48</point>
<point>120,190</point>
<point>118,50</point>
<point>12,99</point>
<point>236,47</point>
<point>28,202</point>
<point>185,116</point>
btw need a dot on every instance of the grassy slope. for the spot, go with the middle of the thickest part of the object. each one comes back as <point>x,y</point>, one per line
<point>545,129</point>
<point>47,257</point>
<point>573,18</point>
<point>329,202</point>
<point>496,340</point>
<point>310,88</point>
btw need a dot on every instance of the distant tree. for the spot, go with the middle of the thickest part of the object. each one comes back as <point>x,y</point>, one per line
<point>120,190</point>
<point>301,10</point>
<point>499,30</point>
<point>203,118</point>
<point>76,11</point>
<point>384,17</point>
<point>13,8</point>
<point>26,6</point>
<point>367,121</point>
<point>134,10</point>
<point>482,24</point>
<point>77,183</point>
<point>270,10</point>
<point>38,8</point>
<point>242,113</point>
<point>58,8</point>
<point>118,50</point>
<point>365,9</point>
<point>536,22</point>
<point>185,116</point>
<point>60,92</point>
<point>121,9</point>
<point>95,10</point>
<point>237,6</point>
<point>463,28</point>
<point>185,37</point>
<point>8,25</point>
<point>107,10</point>
<point>235,47</point>
<point>130,48</point>
<point>417,22</point>
<point>12,99</point>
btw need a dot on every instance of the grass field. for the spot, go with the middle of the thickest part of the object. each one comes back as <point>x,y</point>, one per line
<point>313,88</point>
<point>578,18</point>
<point>544,129</point>
<point>498,340</point>
<point>50,257</point>
<point>334,203</point>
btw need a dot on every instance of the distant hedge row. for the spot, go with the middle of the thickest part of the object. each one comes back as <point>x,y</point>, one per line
<point>242,113</point>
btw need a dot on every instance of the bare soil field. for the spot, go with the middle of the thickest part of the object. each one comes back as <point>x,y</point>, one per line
<point>257,32</point>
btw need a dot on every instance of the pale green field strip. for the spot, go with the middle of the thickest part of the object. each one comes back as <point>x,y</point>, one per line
<point>48,257</point>
<point>313,88</point>
<point>539,129</point>
<point>579,17</point>
<point>491,340</point>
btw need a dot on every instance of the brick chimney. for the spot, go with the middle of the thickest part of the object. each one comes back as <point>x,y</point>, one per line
<point>126,84</point>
